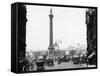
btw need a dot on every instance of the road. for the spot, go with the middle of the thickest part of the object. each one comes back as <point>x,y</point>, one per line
<point>63,65</point>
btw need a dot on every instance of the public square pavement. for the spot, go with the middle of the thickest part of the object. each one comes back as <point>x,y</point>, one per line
<point>63,65</point>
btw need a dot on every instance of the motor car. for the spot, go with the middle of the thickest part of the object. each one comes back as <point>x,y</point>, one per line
<point>67,58</point>
<point>83,60</point>
<point>76,60</point>
<point>63,59</point>
<point>40,64</point>
<point>49,62</point>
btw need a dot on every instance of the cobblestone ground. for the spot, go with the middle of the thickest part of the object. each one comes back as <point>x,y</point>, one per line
<point>63,65</point>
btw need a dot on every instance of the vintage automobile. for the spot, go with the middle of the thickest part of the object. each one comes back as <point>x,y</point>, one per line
<point>76,60</point>
<point>83,59</point>
<point>40,64</point>
<point>49,62</point>
<point>65,58</point>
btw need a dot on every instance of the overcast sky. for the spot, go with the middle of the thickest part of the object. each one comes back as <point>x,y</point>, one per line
<point>68,26</point>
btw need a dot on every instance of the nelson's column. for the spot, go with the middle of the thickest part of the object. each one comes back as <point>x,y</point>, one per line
<point>51,47</point>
